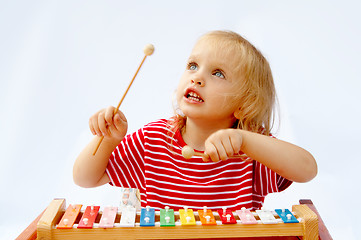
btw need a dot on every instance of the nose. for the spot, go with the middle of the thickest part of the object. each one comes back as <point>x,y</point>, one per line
<point>198,82</point>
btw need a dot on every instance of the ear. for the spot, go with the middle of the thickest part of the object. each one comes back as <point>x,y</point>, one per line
<point>237,113</point>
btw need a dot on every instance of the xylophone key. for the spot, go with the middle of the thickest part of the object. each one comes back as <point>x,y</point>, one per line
<point>89,216</point>
<point>187,216</point>
<point>246,216</point>
<point>266,216</point>
<point>286,216</point>
<point>206,217</point>
<point>128,217</point>
<point>167,217</point>
<point>147,217</point>
<point>69,217</point>
<point>226,216</point>
<point>108,217</point>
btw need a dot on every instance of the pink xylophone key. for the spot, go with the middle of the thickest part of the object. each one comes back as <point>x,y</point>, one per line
<point>246,216</point>
<point>108,217</point>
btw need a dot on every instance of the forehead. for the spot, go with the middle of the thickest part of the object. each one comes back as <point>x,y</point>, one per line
<point>225,53</point>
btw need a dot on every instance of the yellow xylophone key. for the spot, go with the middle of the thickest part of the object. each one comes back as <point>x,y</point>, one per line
<point>69,217</point>
<point>187,216</point>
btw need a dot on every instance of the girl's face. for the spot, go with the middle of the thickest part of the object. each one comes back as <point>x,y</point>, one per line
<point>208,87</point>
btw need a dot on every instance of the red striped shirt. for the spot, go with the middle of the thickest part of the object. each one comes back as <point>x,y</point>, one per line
<point>150,159</point>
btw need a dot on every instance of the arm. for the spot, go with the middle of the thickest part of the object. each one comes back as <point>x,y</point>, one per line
<point>89,169</point>
<point>288,160</point>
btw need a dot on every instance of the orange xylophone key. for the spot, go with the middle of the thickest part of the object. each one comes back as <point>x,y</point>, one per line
<point>89,216</point>
<point>206,217</point>
<point>69,217</point>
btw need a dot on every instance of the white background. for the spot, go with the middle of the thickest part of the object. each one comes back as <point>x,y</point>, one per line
<point>61,61</point>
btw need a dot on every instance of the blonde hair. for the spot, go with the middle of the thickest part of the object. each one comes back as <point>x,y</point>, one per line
<point>256,91</point>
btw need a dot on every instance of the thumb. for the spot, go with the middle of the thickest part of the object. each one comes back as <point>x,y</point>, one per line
<point>120,121</point>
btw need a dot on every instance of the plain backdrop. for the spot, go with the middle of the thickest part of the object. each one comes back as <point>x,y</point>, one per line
<point>61,61</point>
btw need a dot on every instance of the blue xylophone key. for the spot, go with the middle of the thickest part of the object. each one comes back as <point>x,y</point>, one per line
<point>286,216</point>
<point>147,217</point>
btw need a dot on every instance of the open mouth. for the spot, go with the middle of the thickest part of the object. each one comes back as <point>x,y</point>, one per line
<point>193,96</point>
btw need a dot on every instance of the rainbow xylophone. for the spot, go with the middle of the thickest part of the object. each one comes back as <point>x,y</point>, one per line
<point>59,222</point>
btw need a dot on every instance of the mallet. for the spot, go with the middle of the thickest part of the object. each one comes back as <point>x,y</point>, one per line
<point>188,153</point>
<point>148,50</point>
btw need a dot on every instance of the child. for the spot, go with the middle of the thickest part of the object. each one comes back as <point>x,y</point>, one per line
<point>225,98</point>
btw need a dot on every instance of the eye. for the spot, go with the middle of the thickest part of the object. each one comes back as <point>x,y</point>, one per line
<point>219,73</point>
<point>192,66</point>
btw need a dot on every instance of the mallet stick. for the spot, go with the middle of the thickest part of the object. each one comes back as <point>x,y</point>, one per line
<point>188,153</point>
<point>148,50</point>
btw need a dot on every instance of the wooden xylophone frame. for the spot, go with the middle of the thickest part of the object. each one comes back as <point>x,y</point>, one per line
<point>306,229</point>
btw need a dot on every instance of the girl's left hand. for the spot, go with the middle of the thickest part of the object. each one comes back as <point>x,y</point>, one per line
<point>223,144</point>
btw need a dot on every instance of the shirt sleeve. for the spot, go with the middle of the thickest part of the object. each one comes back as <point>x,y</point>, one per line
<point>126,164</point>
<point>266,181</point>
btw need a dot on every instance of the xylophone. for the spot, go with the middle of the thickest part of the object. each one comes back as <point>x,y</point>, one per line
<point>57,222</point>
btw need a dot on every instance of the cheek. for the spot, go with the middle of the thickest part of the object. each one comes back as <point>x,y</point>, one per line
<point>178,95</point>
<point>180,89</point>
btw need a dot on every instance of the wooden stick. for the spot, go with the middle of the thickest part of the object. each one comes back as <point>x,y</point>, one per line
<point>199,154</point>
<point>188,153</point>
<point>148,50</point>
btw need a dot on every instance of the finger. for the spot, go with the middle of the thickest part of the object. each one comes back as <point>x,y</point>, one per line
<point>91,126</point>
<point>116,126</point>
<point>236,142</point>
<point>102,124</point>
<point>95,125</point>
<point>206,158</point>
<point>222,152</point>
<point>227,145</point>
<point>109,114</point>
<point>211,151</point>
<point>119,120</point>
<point>221,143</point>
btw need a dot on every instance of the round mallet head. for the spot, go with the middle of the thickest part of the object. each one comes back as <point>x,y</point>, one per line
<point>187,152</point>
<point>148,49</point>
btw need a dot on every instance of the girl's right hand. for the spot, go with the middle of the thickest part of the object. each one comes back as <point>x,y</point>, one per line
<point>106,123</point>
